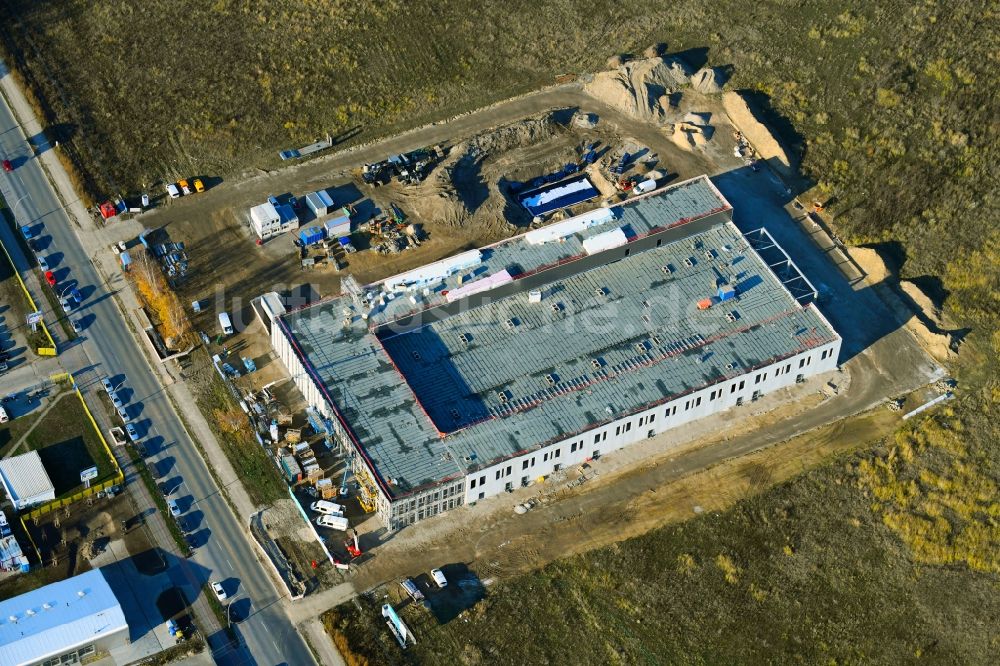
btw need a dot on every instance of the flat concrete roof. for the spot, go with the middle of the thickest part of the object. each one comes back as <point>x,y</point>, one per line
<point>474,382</point>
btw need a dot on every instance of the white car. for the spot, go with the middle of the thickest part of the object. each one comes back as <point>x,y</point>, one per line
<point>77,326</point>
<point>439,578</point>
<point>43,264</point>
<point>116,400</point>
<point>219,592</point>
<point>173,191</point>
<point>175,510</point>
<point>133,434</point>
<point>123,413</point>
<point>108,386</point>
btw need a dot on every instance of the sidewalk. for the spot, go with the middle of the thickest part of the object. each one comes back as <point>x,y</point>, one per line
<point>97,241</point>
<point>155,522</point>
<point>23,267</point>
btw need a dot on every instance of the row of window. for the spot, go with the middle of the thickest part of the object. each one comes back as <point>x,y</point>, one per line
<point>649,418</point>
<point>433,510</point>
<point>74,657</point>
<point>431,498</point>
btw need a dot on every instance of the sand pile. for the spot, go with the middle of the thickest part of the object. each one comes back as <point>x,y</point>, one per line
<point>641,88</point>
<point>757,134</point>
<point>708,80</point>
<point>694,131</point>
<point>871,263</point>
<point>922,317</point>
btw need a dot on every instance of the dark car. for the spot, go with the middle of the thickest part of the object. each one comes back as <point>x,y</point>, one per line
<point>7,166</point>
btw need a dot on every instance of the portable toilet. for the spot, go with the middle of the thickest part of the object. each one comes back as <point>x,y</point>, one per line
<point>727,292</point>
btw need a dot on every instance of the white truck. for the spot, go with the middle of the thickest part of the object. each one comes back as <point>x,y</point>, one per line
<point>225,324</point>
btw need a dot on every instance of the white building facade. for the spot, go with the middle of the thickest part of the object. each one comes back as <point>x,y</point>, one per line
<point>604,439</point>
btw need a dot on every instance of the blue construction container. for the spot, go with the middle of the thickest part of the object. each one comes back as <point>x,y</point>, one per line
<point>727,292</point>
<point>311,235</point>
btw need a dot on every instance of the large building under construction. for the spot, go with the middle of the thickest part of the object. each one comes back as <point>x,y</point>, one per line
<point>496,367</point>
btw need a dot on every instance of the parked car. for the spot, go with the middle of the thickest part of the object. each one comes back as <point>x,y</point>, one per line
<point>133,434</point>
<point>66,303</point>
<point>8,166</point>
<point>411,589</point>
<point>75,293</point>
<point>175,510</point>
<point>43,264</point>
<point>77,326</point>
<point>219,592</point>
<point>26,232</point>
<point>173,191</point>
<point>439,578</point>
<point>198,185</point>
<point>116,400</point>
<point>3,415</point>
<point>183,184</point>
<point>50,277</point>
<point>108,386</point>
<point>123,413</point>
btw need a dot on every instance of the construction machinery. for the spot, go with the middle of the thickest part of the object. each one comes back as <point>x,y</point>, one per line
<point>353,549</point>
<point>368,497</point>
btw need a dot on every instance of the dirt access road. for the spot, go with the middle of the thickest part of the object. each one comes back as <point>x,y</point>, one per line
<point>228,267</point>
<point>323,171</point>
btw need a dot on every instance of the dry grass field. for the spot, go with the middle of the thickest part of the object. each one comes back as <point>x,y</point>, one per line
<point>891,110</point>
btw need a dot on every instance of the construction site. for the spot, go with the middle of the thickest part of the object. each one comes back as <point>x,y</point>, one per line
<point>512,310</point>
<point>448,388</point>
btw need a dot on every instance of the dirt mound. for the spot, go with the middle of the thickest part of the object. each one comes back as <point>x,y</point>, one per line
<point>694,131</point>
<point>654,50</point>
<point>459,189</point>
<point>870,262</point>
<point>757,133</point>
<point>641,88</point>
<point>708,80</point>
<point>920,315</point>
<point>923,302</point>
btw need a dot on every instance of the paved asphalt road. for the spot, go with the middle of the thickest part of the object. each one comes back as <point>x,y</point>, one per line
<point>222,552</point>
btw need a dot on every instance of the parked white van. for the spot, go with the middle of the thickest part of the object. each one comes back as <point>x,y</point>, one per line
<point>333,522</point>
<point>3,415</point>
<point>329,508</point>
<point>225,323</point>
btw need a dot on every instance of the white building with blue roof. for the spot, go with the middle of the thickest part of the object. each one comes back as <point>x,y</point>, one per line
<point>62,623</point>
